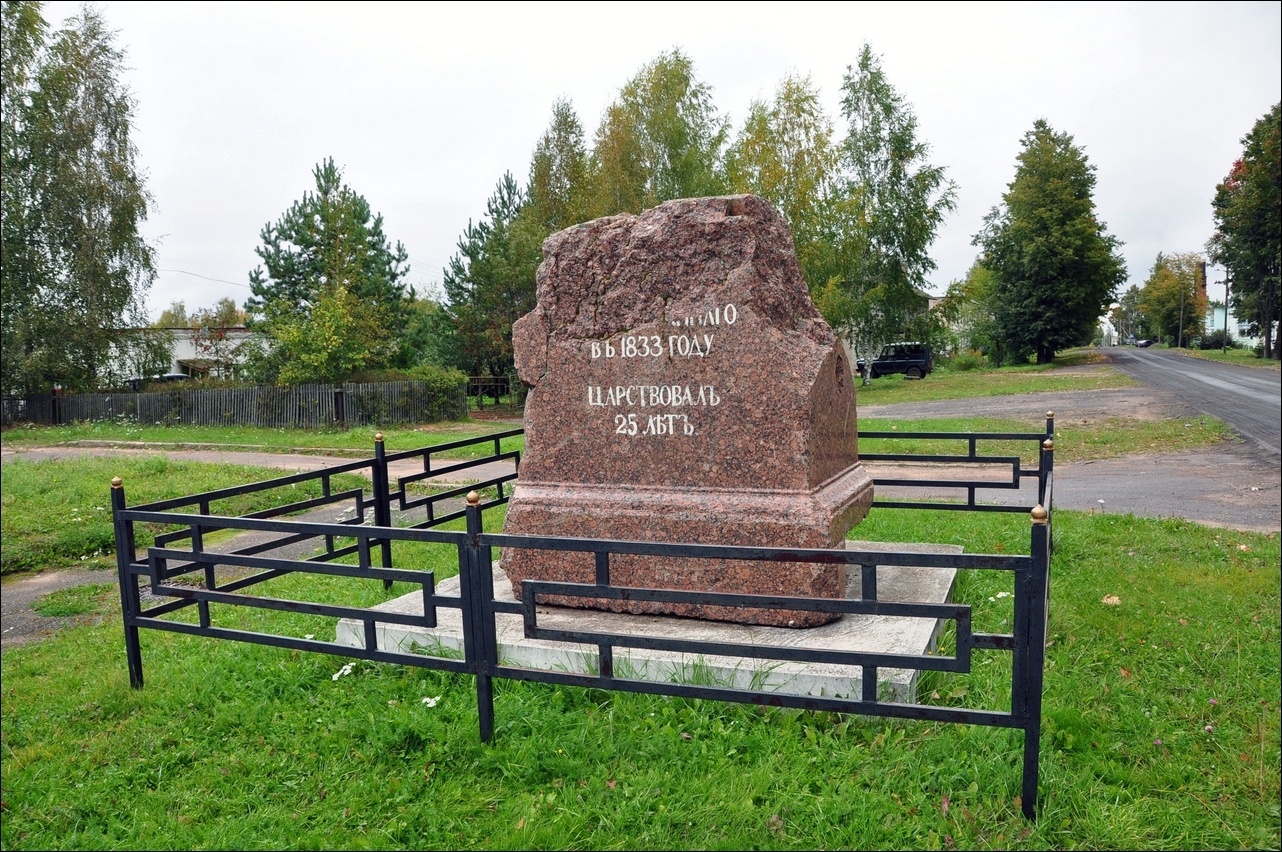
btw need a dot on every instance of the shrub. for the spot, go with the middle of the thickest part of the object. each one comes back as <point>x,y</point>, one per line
<point>962,361</point>
<point>442,380</point>
<point>1215,340</point>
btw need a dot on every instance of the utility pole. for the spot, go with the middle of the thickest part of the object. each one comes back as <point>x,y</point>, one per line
<point>1225,348</point>
<point>1179,334</point>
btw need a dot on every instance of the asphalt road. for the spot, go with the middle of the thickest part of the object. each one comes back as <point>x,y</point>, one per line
<point>1247,398</point>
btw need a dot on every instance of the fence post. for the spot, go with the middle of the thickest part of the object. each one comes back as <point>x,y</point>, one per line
<point>382,500</point>
<point>1046,478</point>
<point>478,591</point>
<point>130,603</point>
<point>1036,590</point>
<point>340,407</point>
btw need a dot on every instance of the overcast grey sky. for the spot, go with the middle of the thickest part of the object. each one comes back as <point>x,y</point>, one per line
<point>425,106</point>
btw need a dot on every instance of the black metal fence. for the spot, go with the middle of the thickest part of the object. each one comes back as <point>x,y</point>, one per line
<point>372,534</point>
<point>305,406</point>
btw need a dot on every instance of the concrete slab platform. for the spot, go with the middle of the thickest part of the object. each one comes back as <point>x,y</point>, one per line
<point>880,634</point>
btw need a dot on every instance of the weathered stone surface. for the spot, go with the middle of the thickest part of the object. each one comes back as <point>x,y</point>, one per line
<point>685,388</point>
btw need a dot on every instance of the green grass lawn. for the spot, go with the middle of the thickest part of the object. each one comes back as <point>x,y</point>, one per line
<point>1243,357</point>
<point>1116,436</point>
<point>57,512</point>
<point>1026,378</point>
<point>355,442</point>
<point>1161,702</point>
<point>1161,729</point>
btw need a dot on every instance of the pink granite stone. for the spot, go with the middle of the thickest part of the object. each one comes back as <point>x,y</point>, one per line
<point>684,388</point>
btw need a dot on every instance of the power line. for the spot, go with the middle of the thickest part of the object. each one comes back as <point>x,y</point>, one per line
<point>206,277</point>
<point>425,263</point>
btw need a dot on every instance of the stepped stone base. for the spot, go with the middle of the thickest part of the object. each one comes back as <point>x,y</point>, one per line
<point>749,518</point>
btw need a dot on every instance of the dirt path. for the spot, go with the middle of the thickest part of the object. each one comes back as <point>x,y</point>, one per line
<point>20,624</point>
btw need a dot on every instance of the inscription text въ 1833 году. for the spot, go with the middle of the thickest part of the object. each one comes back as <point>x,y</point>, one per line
<point>654,396</point>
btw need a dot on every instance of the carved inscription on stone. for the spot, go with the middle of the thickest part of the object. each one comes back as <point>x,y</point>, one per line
<point>684,388</point>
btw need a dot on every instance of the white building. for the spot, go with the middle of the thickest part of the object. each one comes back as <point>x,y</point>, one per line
<point>218,353</point>
<point>1216,315</point>
<point>195,356</point>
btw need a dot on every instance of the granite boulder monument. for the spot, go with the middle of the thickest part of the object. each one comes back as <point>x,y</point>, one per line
<point>684,388</point>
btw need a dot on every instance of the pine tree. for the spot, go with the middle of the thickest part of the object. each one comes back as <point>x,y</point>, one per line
<point>489,284</point>
<point>331,296</point>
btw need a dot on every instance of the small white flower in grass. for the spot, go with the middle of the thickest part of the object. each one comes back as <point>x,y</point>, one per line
<point>431,702</point>
<point>345,670</point>
<point>991,598</point>
<point>1003,594</point>
<point>310,636</point>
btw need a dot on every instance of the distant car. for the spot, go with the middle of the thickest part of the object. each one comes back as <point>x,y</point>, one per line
<point>907,357</point>
<point>1144,344</point>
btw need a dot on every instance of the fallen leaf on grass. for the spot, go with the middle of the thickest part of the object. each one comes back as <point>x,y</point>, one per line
<point>943,805</point>
<point>1112,600</point>
<point>520,824</point>
<point>686,736</point>
<point>1184,622</point>
<point>776,824</point>
<point>1124,672</point>
<point>611,783</point>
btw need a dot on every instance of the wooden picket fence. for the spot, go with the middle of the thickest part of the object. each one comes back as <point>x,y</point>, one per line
<point>302,407</point>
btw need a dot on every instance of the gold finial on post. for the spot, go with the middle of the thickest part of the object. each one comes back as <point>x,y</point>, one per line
<point>117,482</point>
<point>1048,445</point>
<point>473,499</point>
<point>1050,415</point>
<point>378,437</point>
<point>1039,514</point>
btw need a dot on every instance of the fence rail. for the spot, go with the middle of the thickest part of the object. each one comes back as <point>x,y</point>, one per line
<point>370,541</point>
<point>305,406</point>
